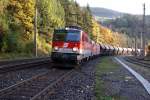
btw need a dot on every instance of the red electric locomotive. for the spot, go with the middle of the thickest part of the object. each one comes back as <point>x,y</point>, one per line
<point>71,44</point>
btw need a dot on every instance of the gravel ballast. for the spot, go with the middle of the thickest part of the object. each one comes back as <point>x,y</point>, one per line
<point>13,77</point>
<point>79,86</point>
<point>118,84</point>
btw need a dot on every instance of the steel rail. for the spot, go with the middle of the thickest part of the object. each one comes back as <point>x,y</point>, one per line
<point>35,88</point>
<point>3,91</point>
<point>17,61</point>
<point>138,62</point>
<point>6,68</point>
<point>48,90</point>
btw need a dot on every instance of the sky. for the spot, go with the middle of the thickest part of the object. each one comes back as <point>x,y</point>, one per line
<point>127,6</point>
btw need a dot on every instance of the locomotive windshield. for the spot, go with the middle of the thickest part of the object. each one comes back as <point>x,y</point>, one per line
<point>66,35</point>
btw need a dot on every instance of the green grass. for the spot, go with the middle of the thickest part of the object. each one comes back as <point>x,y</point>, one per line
<point>15,55</point>
<point>105,66</point>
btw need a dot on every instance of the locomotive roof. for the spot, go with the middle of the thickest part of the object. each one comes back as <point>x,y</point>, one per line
<point>61,29</point>
<point>67,29</point>
<point>74,27</point>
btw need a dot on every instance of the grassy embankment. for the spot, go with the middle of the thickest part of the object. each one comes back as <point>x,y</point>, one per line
<point>105,66</point>
<point>14,55</point>
<point>11,56</point>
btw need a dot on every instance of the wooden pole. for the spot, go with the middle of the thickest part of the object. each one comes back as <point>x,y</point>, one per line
<point>35,31</point>
<point>143,33</point>
<point>135,46</point>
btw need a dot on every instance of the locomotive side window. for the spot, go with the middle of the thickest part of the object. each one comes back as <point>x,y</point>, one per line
<point>85,39</point>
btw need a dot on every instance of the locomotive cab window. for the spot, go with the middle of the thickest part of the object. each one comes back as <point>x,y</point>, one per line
<point>73,37</point>
<point>64,35</point>
<point>59,35</point>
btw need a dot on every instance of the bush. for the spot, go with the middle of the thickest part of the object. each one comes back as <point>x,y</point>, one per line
<point>11,42</point>
<point>44,48</point>
<point>29,47</point>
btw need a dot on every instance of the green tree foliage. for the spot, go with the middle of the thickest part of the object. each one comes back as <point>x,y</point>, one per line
<point>79,15</point>
<point>11,43</point>
<point>129,24</point>
<point>20,18</point>
<point>132,26</point>
<point>87,15</point>
<point>17,22</point>
<point>75,15</point>
<point>70,14</point>
<point>51,14</point>
<point>3,20</point>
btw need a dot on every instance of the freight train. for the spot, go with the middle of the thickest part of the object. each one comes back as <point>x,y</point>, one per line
<point>73,45</point>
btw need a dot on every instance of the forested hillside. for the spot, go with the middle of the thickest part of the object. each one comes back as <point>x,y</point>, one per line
<point>17,24</point>
<point>130,25</point>
<point>103,14</point>
<point>106,36</point>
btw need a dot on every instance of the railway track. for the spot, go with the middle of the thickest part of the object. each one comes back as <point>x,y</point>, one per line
<point>19,61</point>
<point>7,62</point>
<point>37,87</point>
<point>137,62</point>
<point>23,64</point>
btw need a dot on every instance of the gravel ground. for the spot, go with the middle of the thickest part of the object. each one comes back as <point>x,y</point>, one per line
<point>144,71</point>
<point>119,83</point>
<point>10,78</point>
<point>79,86</point>
<point>123,84</point>
<point>30,89</point>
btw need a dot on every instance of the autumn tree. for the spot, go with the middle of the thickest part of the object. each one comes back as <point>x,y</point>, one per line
<point>21,16</point>
<point>17,24</point>
<point>96,31</point>
<point>105,35</point>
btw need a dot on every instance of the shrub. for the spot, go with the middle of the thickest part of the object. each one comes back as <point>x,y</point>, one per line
<point>29,47</point>
<point>10,42</point>
<point>43,47</point>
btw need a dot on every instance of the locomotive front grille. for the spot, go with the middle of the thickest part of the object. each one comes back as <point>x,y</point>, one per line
<point>64,56</point>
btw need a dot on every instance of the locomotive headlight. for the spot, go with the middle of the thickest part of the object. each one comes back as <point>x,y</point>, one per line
<point>56,48</point>
<point>75,49</point>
